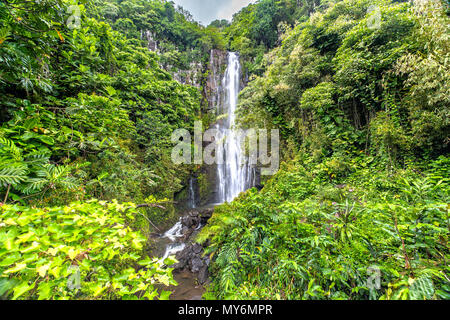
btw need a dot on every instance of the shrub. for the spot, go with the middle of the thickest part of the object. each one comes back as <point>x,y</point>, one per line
<point>80,251</point>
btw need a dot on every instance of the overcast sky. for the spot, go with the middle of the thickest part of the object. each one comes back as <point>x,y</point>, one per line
<point>206,11</point>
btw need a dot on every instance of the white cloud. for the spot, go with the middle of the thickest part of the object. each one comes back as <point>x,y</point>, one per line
<point>229,9</point>
<point>206,11</point>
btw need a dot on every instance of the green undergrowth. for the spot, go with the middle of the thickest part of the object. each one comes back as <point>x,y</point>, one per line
<point>87,250</point>
<point>304,236</point>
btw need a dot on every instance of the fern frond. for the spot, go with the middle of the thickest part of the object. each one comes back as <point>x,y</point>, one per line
<point>68,183</point>
<point>55,176</point>
<point>227,255</point>
<point>228,279</point>
<point>13,175</point>
<point>37,158</point>
<point>6,162</point>
<point>7,146</point>
<point>33,185</point>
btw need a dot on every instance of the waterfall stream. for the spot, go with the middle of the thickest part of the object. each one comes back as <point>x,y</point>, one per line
<point>192,202</point>
<point>173,234</point>
<point>235,175</point>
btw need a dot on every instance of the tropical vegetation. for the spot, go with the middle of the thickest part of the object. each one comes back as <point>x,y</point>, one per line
<point>91,91</point>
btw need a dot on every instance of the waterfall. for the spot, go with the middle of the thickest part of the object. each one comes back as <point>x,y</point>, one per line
<point>173,249</point>
<point>191,197</point>
<point>174,232</point>
<point>234,175</point>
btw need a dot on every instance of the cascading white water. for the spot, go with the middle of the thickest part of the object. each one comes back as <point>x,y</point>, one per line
<point>176,232</point>
<point>173,234</point>
<point>172,249</point>
<point>234,175</point>
<point>191,198</point>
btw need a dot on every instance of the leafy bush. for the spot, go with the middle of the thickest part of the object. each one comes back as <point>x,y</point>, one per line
<point>290,241</point>
<point>80,251</point>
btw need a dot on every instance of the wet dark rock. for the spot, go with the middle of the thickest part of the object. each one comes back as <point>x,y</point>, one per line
<point>203,275</point>
<point>191,259</point>
<point>207,213</point>
<point>154,235</point>
<point>196,218</point>
<point>183,259</point>
<point>194,213</point>
<point>188,221</point>
<point>196,264</point>
<point>197,248</point>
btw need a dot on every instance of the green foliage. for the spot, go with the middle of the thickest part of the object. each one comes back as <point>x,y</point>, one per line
<point>87,112</point>
<point>301,237</point>
<point>259,28</point>
<point>362,105</point>
<point>38,27</point>
<point>362,108</point>
<point>342,80</point>
<point>427,70</point>
<point>180,40</point>
<point>81,251</point>
<point>28,170</point>
<point>108,103</point>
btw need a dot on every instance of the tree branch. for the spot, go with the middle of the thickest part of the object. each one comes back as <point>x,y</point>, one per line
<point>7,193</point>
<point>407,261</point>
<point>148,205</point>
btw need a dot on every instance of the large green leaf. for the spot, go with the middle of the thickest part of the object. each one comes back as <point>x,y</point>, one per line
<point>422,289</point>
<point>21,289</point>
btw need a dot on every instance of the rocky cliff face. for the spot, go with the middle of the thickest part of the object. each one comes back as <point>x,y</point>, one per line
<point>208,77</point>
<point>198,74</point>
<point>216,68</point>
<point>192,76</point>
<point>213,93</point>
<point>152,44</point>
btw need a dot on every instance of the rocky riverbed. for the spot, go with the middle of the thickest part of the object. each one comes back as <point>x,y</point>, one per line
<point>191,271</point>
<point>191,257</point>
